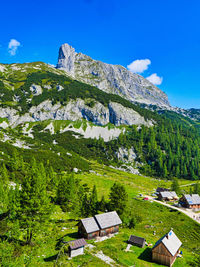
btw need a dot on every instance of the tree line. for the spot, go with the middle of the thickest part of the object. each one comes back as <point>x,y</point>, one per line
<point>28,200</point>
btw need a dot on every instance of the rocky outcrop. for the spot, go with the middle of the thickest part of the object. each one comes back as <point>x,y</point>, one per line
<point>74,110</point>
<point>126,155</point>
<point>92,131</point>
<point>36,89</point>
<point>113,79</point>
<point>2,68</point>
<point>67,58</point>
<point>119,115</point>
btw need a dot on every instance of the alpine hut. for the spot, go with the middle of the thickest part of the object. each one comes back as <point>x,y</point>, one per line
<point>108,223</point>
<point>190,201</point>
<point>167,196</point>
<point>166,249</point>
<point>76,247</point>
<point>99,225</point>
<point>88,228</point>
<point>137,241</point>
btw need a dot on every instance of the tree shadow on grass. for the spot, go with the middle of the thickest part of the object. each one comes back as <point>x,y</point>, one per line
<point>65,239</point>
<point>3,215</point>
<point>12,239</point>
<point>73,235</point>
<point>60,221</point>
<point>51,258</point>
<point>146,255</point>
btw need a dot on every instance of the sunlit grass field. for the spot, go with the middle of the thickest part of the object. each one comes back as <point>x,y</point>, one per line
<point>48,249</point>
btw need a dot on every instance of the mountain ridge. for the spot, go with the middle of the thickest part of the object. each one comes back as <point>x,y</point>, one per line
<point>110,78</point>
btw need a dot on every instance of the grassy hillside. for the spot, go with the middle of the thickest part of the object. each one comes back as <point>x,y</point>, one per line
<point>63,226</point>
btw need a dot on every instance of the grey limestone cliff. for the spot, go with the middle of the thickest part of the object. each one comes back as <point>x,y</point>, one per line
<point>113,79</point>
<point>75,110</point>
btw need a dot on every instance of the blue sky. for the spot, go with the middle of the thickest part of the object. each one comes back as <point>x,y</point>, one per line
<point>165,32</point>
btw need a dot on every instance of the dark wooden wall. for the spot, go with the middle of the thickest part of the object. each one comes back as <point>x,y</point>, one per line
<point>110,230</point>
<point>84,234</point>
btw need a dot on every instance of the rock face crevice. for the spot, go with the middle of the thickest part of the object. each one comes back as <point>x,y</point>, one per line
<point>113,79</point>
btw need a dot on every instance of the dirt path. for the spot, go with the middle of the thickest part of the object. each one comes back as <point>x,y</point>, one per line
<point>187,184</point>
<point>190,213</point>
<point>102,256</point>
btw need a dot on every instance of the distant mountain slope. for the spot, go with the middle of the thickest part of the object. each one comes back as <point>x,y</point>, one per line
<point>112,79</point>
<point>44,109</point>
<point>36,92</point>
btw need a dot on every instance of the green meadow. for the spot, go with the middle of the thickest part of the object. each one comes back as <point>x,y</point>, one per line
<point>156,220</point>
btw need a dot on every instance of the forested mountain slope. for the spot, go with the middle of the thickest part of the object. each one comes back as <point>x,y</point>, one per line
<point>43,109</point>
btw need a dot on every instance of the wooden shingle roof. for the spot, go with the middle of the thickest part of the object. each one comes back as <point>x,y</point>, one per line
<point>90,225</point>
<point>136,240</point>
<point>108,219</point>
<point>77,243</point>
<point>168,194</point>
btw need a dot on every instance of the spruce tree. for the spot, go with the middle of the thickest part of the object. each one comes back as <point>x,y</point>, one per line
<point>175,186</point>
<point>102,204</point>
<point>118,198</point>
<point>4,189</point>
<point>68,193</point>
<point>196,188</point>
<point>34,203</point>
<point>93,201</point>
<point>85,209</point>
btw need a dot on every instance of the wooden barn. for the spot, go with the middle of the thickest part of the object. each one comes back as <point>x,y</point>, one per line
<point>137,241</point>
<point>108,223</point>
<point>166,249</point>
<point>167,196</point>
<point>76,247</point>
<point>99,225</point>
<point>190,201</point>
<point>88,228</point>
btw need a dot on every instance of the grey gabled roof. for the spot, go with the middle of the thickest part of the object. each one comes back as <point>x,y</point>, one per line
<point>90,225</point>
<point>171,242</point>
<point>108,219</point>
<point>77,243</point>
<point>173,193</point>
<point>168,194</point>
<point>136,240</point>
<point>193,199</point>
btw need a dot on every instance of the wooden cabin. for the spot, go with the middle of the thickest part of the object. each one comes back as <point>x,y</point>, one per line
<point>167,196</point>
<point>137,241</point>
<point>76,247</point>
<point>190,201</point>
<point>99,225</point>
<point>166,249</point>
<point>88,228</point>
<point>108,223</point>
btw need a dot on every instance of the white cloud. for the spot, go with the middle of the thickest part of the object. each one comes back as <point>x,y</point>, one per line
<point>139,65</point>
<point>155,79</point>
<point>13,46</point>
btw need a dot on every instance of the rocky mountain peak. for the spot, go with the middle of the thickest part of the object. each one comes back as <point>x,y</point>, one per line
<point>66,58</point>
<point>109,78</point>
